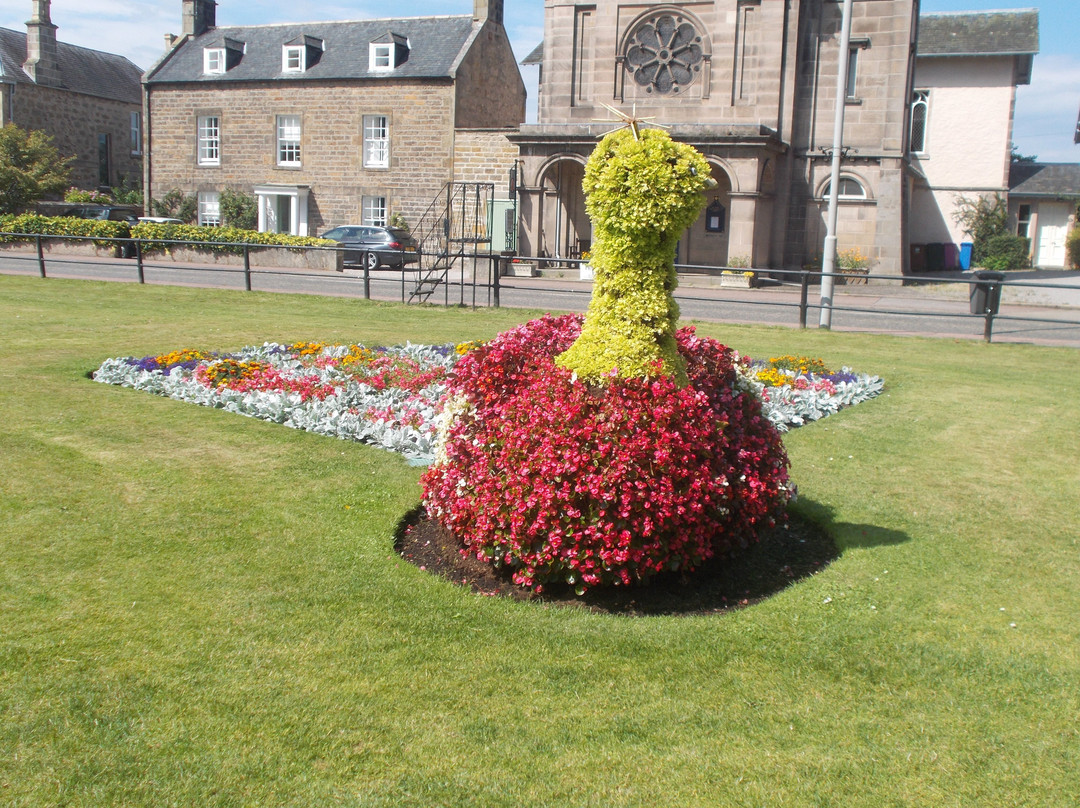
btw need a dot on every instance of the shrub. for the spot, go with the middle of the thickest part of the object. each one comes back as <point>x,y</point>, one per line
<point>1073,247</point>
<point>1004,252</point>
<point>128,193</point>
<point>217,239</point>
<point>642,190</point>
<point>981,219</point>
<point>176,205</point>
<point>239,210</point>
<point>562,481</point>
<point>32,224</point>
<point>79,195</point>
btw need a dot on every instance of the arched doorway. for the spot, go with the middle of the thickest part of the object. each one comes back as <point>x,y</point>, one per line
<point>705,243</point>
<point>565,228</point>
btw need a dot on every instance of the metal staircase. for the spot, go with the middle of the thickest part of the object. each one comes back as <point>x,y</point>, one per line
<point>454,229</point>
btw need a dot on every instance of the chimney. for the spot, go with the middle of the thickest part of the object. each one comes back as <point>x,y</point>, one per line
<point>484,10</point>
<point>42,64</point>
<point>199,16</point>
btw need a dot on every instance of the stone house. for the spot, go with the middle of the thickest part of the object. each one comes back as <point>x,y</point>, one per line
<point>335,122</point>
<point>753,85</point>
<point>89,102</point>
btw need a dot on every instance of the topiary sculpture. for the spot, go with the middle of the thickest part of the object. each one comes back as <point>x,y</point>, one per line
<point>642,190</point>
<point>608,451</point>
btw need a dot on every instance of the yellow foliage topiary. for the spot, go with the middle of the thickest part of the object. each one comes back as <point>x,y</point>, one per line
<point>642,190</point>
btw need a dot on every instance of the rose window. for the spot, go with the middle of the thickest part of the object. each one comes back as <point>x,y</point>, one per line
<point>664,54</point>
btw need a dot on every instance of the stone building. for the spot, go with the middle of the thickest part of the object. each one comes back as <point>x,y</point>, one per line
<point>88,101</point>
<point>335,122</point>
<point>753,85</point>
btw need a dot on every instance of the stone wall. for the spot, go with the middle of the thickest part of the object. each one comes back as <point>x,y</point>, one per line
<point>485,155</point>
<point>75,121</point>
<point>490,92</point>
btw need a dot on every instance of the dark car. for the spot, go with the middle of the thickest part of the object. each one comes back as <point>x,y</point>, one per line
<point>375,246</point>
<point>112,213</point>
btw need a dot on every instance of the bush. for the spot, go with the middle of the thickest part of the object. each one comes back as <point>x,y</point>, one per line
<point>1073,247</point>
<point>562,481</point>
<point>78,195</point>
<point>176,205</point>
<point>1005,251</point>
<point>218,239</point>
<point>33,224</point>
<point>239,210</point>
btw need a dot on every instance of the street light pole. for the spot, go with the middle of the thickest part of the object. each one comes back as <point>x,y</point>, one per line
<point>828,259</point>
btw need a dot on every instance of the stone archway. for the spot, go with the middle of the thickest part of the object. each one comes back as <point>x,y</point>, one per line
<point>565,230</point>
<point>705,243</point>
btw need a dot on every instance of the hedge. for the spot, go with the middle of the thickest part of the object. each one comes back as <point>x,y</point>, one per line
<point>219,239</point>
<point>155,234</point>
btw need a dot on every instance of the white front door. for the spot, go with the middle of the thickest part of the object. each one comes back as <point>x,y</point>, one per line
<point>1052,227</point>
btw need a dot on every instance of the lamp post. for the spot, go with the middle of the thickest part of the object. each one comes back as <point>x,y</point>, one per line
<point>828,260</point>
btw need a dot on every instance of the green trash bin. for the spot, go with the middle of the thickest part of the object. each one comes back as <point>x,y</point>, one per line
<point>986,296</point>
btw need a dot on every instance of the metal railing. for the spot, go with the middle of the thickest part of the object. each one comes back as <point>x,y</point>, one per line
<point>480,280</point>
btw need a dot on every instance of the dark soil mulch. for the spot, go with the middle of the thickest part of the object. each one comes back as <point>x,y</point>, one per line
<point>784,555</point>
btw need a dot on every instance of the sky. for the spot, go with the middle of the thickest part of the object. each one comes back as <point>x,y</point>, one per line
<point>1046,110</point>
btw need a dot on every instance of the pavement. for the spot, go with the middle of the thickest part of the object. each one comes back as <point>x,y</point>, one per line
<point>1038,306</point>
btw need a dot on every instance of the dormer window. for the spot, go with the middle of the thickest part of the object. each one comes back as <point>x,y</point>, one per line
<point>222,56</point>
<point>387,52</point>
<point>301,54</point>
<point>382,56</point>
<point>213,61</point>
<point>292,59</point>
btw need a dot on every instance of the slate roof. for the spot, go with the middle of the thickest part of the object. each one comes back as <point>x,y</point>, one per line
<point>436,44</point>
<point>979,33</point>
<point>536,57</point>
<point>82,70</point>
<point>1044,179</point>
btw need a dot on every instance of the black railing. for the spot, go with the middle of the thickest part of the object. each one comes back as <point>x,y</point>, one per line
<point>481,280</point>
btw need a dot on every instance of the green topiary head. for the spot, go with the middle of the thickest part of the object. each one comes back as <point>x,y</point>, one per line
<point>642,190</point>
<point>644,186</point>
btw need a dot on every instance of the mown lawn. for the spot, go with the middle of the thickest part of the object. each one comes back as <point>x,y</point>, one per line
<point>202,609</point>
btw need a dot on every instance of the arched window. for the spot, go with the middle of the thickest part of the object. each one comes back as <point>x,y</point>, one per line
<point>920,109</point>
<point>849,188</point>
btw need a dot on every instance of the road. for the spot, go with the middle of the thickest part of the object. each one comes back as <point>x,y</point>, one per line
<point>1047,313</point>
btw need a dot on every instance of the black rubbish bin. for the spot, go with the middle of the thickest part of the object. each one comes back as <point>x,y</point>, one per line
<point>935,257</point>
<point>986,296</point>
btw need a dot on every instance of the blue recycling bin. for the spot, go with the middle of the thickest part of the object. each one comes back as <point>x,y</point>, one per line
<point>965,255</point>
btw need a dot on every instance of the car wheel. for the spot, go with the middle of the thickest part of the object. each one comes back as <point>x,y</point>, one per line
<point>371,260</point>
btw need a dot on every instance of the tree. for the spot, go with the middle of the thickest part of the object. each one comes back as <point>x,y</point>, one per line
<point>1016,157</point>
<point>30,168</point>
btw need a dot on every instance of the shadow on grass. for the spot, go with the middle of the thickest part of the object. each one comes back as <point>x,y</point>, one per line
<point>848,535</point>
<point>783,556</point>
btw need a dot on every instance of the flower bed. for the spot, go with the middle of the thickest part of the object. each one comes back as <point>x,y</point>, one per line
<point>393,397</point>
<point>388,397</point>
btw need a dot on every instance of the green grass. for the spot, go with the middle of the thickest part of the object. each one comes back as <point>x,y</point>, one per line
<point>202,609</point>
